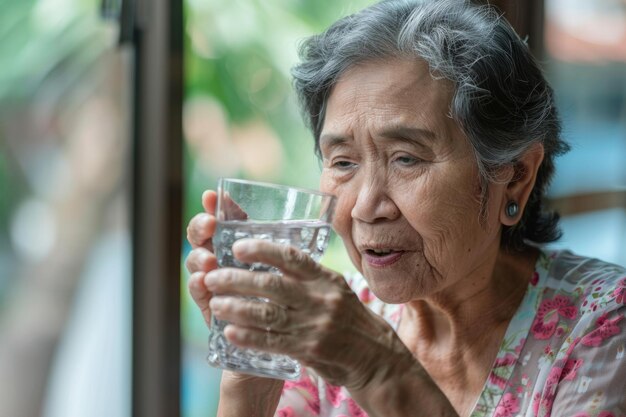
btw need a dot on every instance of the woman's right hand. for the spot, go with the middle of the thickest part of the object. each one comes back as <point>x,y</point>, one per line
<point>201,259</point>
<point>241,394</point>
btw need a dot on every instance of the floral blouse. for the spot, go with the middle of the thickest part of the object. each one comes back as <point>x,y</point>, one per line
<point>563,354</point>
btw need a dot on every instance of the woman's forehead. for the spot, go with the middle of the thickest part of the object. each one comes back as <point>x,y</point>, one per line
<point>387,95</point>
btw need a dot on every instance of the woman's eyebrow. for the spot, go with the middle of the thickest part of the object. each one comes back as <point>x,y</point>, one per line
<point>330,140</point>
<point>408,133</point>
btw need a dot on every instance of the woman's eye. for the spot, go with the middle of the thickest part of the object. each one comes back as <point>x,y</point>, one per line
<point>406,160</point>
<point>343,164</point>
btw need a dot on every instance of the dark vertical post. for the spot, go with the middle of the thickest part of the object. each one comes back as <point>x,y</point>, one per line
<point>157,206</point>
<point>527,17</point>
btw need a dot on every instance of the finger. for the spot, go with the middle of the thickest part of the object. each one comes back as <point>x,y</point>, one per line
<point>200,294</point>
<point>200,230</point>
<point>288,259</point>
<point>200,260</point>
<point>250,313</point>
<point>281,290</point>
<point>209,201</point>
<point>264,340</point>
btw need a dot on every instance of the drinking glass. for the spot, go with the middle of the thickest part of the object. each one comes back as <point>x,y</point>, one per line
<point>276,213</point>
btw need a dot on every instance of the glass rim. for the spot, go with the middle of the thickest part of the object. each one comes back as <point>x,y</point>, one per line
<point>221,180</point>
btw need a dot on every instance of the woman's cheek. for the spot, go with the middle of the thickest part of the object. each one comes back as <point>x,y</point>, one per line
<point>342,219</point>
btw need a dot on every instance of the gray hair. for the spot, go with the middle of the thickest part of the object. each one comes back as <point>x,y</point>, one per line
<point>501,100</point>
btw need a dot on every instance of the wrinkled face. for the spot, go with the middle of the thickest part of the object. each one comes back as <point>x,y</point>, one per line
<point>406,180</point>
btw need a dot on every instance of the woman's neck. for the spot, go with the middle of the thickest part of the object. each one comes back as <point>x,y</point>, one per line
<point>456,333</point>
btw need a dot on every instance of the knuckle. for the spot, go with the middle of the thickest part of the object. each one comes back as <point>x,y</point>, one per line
<point>198,228</point>
<point>274,316</point>
<point>292,256</point>
<point>228,278</point>
<point>339,280</point>
<point>274,283</point>
<point>260,280</point>
<point>334,306</point>
<point>192,228</point>
<point>198,260</point>
<point>267,314</point>
<point>269,282</point>
<point>196,278</point>
<point>333,300</point>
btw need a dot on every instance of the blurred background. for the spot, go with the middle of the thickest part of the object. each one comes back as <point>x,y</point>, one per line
<point>116,115</point>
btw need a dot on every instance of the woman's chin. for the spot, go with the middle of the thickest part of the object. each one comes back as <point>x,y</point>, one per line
<point>389,292</point>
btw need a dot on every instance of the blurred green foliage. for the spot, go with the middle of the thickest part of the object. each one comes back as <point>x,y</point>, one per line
<point>46,44</point>
<point>49,49</point>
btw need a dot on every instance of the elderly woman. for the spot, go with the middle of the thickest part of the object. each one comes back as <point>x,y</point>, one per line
<point>438,134</point>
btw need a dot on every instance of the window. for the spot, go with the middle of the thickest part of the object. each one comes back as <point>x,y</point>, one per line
<point>585,44</point>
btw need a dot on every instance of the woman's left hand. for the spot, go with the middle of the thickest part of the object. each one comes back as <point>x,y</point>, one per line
<point>313,316</point>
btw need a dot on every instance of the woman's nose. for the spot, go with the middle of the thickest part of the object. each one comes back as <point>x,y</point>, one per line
<point>373,203</point>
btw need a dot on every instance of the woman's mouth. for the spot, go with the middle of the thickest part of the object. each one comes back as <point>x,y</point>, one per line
<point>381,258</point>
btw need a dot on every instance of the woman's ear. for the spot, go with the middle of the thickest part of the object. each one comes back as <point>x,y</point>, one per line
<point>520,185</point>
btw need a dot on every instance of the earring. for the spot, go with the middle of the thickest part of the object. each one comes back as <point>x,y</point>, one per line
<point>511,209</point>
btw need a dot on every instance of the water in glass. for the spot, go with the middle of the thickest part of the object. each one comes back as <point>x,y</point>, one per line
<point>311,237</point>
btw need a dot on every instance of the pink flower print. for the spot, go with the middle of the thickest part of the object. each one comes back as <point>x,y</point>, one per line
<point>508,406</point>
<point>536,401</point>
<point>314,404</point>
<point>309,391</point>
<point>620,292</point>
<point>605,329</point>
<point>497,380</point>
<point>570,368</point>
<point>355,410</point>
<point>548,314</point>
<point>547,403</point>
<point>553,377</point>
<point>286,412</point>
<point>396,315</point>
<point>581,414</point>
<point>547,398</point>
<point>520,345</point>
<point>606,414</point>
<point>366,295</point>
<point>334,395</point>
<point>305,383</point>
<point>535,279</point>
<point>503,362</point>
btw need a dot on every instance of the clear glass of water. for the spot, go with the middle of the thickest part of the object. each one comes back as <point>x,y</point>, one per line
<point>277,213</point>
